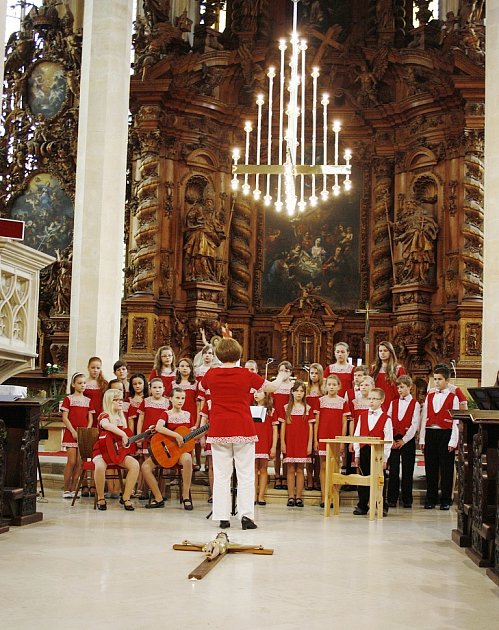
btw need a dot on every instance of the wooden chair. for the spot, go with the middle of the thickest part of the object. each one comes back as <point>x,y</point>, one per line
<point>173,475</point>
<point>86,441</point>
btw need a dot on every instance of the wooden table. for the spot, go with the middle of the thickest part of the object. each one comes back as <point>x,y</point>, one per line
<point>334,479</point>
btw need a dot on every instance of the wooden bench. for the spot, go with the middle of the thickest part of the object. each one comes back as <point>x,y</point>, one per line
<point>334,479</point>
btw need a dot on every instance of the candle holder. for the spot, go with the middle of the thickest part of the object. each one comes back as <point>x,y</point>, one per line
<point>286,162</point>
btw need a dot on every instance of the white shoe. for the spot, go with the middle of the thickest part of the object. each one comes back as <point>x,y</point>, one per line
<point>67,494</point>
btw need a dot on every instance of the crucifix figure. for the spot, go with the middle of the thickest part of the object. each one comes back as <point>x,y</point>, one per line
<point>366,311</point>
<point>215,550</point>
<point>306,343</point>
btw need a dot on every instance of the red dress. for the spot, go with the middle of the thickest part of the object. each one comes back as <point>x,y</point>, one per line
<point>264,431</point>
<point>96,452</point>
<point>313,399</point>
<point>201,371</point>
<point>330,417</point>
<point>78,408</point>
<point>230,417</point>
<point>344,373</point>
<point>281,399</point>
<point>95,393</point>
<point>389,388</point>
<point>175,420</point>
<point>133,413</point>
<point>153,410</point>
<point>191,396</point>
<point>166,378</point>
<point>297,436</point>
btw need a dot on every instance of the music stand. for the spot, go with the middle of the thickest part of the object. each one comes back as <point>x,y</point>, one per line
<point>481,397</point>
<point>493,393</point>
<point>486,398</point>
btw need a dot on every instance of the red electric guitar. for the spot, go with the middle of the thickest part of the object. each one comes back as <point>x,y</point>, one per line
<point>165,451</point>
<point>112,449</point>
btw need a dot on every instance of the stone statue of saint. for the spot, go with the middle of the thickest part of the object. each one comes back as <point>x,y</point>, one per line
<point>416,232</point>
<point>203,235</point>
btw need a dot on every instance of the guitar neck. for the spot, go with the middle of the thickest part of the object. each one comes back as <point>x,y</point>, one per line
<point>138,437</point>
<point>196,432</point>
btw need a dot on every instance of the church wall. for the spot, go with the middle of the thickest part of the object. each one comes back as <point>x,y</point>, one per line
<point>413,120</point>
<point>411,102</point>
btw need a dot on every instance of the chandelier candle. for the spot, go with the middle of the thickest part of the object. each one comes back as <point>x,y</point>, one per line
<point>291,138</point>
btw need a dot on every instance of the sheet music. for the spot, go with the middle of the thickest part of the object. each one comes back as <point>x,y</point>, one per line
<point>258,413</point>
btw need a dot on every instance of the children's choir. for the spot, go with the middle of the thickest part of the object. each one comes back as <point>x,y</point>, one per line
<point>286,426</point>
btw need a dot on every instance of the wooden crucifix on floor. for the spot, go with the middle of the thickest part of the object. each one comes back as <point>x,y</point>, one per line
<point>215,550</point>
<point>367,311</point>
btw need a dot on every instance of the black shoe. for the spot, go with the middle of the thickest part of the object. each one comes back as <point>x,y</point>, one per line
<point>385,512</point>
<point>392,504</point>
<point>359,512</point>
<point>155,504</point>
<point>445,506</point>
<point>408,506</point>
<point>247,523</point>
<point>102,506</point>
<point>224,524</point>
<point>429,506</point>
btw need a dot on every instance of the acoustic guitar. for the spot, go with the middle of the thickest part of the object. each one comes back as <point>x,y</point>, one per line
<point>165,451</point>
<point>112,449</point>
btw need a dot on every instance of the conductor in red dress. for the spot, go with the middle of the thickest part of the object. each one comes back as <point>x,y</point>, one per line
<point>232,431</point>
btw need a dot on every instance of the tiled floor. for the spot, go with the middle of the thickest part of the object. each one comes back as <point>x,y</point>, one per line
<point>80,568</point>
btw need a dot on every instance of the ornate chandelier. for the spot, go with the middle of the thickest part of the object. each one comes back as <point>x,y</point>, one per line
<point>291,168</point>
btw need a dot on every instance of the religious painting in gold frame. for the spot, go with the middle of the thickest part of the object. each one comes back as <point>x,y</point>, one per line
<point>316,252</point>
<point>48,213</point>
<point>47,89</point>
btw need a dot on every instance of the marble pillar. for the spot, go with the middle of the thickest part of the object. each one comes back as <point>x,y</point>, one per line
<point>97,277</point>
<point>490,330</point>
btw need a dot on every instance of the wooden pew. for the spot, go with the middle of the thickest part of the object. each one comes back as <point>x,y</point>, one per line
<point>461,535</point>
<point>484,487</point>
<point>493,572</point>
<point>21,419</point>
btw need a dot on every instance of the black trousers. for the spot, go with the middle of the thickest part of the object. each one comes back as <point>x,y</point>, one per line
<point>407,457</point>
<point>365,469</point>
<point>349,469</point>
<point>439,465</point>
